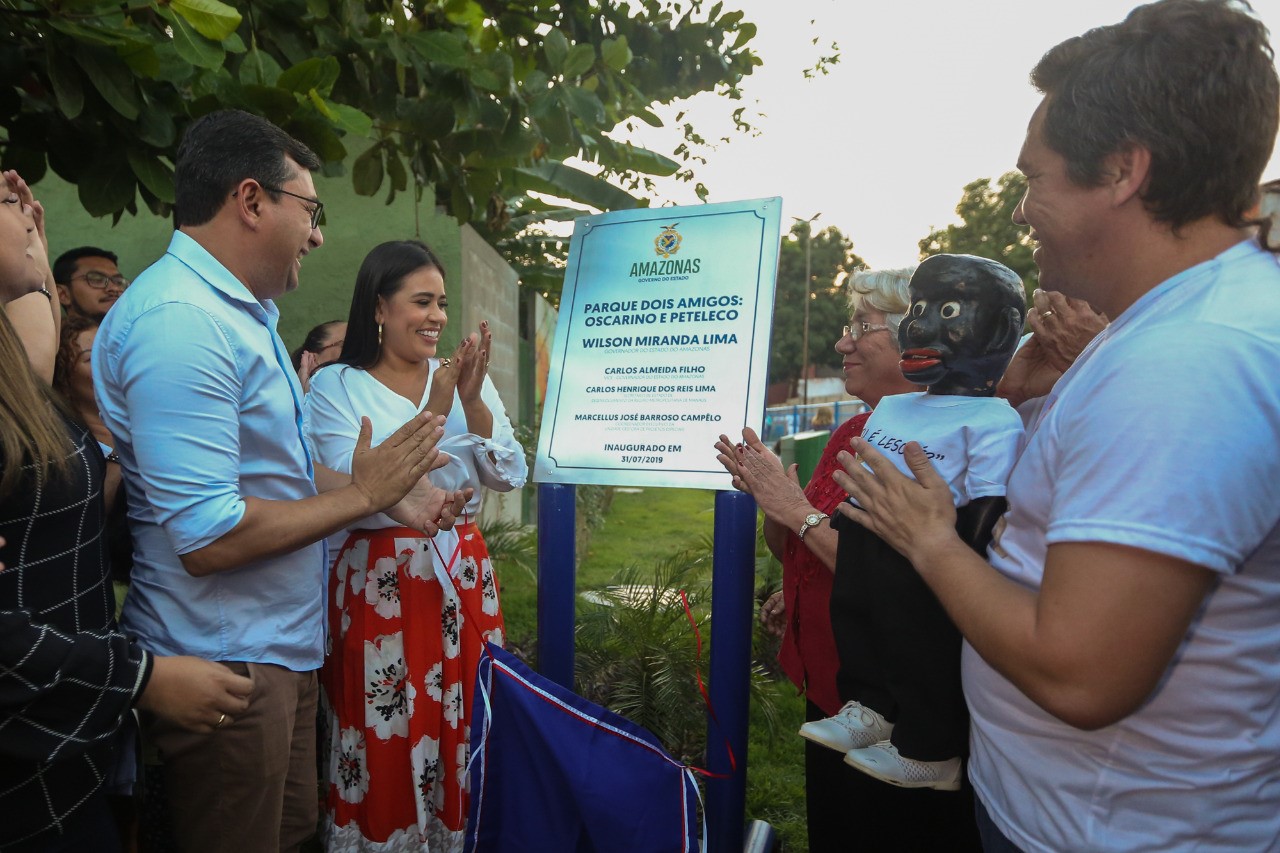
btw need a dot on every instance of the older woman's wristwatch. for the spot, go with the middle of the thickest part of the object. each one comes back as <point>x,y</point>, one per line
<point>813,519</point>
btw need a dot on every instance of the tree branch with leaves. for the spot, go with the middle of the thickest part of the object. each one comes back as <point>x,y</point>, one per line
<point>483,102</point>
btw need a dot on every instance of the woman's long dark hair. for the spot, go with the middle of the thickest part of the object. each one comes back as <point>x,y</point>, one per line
<point>313,342</point>
<point>382,274</point>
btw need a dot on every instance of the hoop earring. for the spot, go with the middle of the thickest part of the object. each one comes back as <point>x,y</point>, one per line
<point>379,334</point>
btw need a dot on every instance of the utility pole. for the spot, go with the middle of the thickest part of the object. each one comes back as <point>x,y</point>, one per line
<point>808,297</point>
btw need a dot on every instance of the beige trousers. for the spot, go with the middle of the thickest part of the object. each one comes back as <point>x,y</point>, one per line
<point>250,786</point>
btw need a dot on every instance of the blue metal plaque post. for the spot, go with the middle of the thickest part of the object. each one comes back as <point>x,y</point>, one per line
<point>557,570</point>
<point>732,596</point>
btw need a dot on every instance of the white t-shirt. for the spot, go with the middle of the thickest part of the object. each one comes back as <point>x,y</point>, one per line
<point>341,394</point>
<point>1162,436</point>
<point>971,441</point>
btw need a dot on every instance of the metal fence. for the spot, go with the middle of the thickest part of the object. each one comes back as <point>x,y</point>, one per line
<point>785,420</point>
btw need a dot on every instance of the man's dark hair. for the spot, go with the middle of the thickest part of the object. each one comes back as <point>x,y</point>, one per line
<point>219,151</point>
<point>381,274</point>
<point>65,266</point>
<point>1192,81</point>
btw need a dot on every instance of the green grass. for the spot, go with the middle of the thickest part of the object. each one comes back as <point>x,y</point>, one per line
<point>642,529</point>
<point>515,560</point>
<point>775,769</point>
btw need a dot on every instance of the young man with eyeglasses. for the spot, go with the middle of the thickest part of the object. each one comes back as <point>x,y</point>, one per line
<point>89,282</point>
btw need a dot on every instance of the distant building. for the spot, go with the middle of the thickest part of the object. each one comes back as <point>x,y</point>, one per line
<point>824,389</point>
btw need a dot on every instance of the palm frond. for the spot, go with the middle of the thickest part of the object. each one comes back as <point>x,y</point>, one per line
<point>511,543</point>
<point>637,652</point>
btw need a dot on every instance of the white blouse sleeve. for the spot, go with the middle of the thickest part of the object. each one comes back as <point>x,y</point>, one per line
<point>331,426</point>
<point>500,462</point>
<point>329,423</point>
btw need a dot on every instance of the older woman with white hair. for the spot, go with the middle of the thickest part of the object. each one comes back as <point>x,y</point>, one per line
<point>798,531</point>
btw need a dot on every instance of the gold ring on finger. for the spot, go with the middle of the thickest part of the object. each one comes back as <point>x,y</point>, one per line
<point>1045,315</point>
<point>222,719</point>
<point>445,362</point>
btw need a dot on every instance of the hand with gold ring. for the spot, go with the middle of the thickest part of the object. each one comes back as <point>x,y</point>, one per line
<point>193,692</point>
<point>1074,325</point>
<point>1052,347</point>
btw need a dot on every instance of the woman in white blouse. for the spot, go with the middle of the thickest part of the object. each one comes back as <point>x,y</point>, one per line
<point>408,614</point>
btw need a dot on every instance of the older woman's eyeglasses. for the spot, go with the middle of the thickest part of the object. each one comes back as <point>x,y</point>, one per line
<point>316,212</point>
<point>100,280</point>
<point>855,331</point>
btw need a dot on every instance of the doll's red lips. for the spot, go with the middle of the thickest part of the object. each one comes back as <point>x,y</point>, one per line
<point>919,359</point>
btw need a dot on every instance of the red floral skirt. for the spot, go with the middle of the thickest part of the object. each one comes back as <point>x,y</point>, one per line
<point>407,619</point>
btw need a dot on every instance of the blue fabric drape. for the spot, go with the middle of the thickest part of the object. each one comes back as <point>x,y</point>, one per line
<point>552,771</point>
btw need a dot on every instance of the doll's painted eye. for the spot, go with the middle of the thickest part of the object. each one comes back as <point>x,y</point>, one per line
<point>950,310</point>
<point>917,309</point>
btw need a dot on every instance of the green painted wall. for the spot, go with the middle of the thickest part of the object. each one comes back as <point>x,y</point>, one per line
<point>354,225</point>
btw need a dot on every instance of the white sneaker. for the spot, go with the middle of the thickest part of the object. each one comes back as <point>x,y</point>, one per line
<point>882,761</point>
<point>855,726</point>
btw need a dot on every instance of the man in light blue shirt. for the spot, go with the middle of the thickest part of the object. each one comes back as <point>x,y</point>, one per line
<point>198,390</point>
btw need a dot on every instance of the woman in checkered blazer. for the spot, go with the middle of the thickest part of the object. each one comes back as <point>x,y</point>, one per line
<point>68,678</point>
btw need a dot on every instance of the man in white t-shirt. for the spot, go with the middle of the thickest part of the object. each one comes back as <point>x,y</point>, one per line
<point>1122,660</point>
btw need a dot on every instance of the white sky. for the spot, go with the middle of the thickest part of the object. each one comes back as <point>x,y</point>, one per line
<point>928,96</point>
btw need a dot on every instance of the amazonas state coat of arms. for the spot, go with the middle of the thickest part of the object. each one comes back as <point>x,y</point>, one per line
<point>667,243</point>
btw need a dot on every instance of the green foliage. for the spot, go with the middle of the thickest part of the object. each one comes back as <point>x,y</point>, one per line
<point>987,229</point>
<point>832,255</point>
<point>479,100</point>
<point>637,653</point>
<point>768,569</point>
<point>775,770</point>
<point>764,646</point>
<point>513,549</point>
<point>539,255</point>
<point>591,503</point>
<point>647,528</point>
<point>511,543</point>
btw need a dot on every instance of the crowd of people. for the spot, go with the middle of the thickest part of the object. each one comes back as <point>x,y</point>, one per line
<point>160,436</point>
<point>1090,556</point>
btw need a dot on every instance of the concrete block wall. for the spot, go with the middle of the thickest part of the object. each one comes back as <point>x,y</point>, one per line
<point>489,290</point>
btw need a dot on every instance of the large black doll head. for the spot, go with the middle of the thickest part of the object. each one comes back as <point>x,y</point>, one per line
<point>963,326</point>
